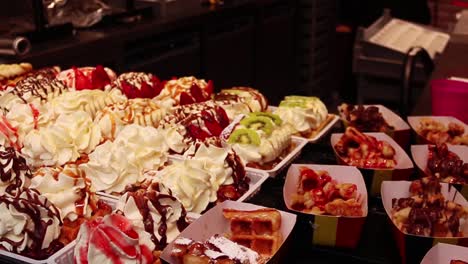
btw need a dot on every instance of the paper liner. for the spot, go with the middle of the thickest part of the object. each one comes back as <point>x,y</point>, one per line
<point>444,253</point>
<point>331,121</point>
<point>412,247</point>
<point>414,121</point>
<point>420,155</point>
<point>213,222</point>
<point>374,177</point>
<point>328,230</point>
<point>256,181</point>
<point>401,132</point>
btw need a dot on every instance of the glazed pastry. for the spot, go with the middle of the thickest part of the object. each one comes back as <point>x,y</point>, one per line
<point>261,140</point>
<point>241,100</point>
<point>446,165</point>
<point>365,119</point>
<point>87,78</point>
<point>318,193</point>
<point>427,212</point>
<point>364,151</point>
<point>216,250</point>
<point>438,133</point>
<point>139,85</point>
<point>113,118</point>
<point>307,115</point>
<point>183,91</point>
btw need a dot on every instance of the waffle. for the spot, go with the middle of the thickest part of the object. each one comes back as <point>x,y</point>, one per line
<point>258,230</point>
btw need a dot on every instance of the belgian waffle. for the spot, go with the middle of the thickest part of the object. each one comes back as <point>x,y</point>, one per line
<point>258,230</point>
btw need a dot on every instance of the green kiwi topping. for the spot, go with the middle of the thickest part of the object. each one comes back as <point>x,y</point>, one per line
<point>244,136</point>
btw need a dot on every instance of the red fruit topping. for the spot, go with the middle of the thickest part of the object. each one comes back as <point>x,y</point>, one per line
<point>197,133</point>
<point>146,90</point>
<point>124,225</point>
<point>197,93</point>
<point>222,116</point>
<point>209,88</point>
<point>128,90</point>
<point>81,81</point>
<point>324,179</point>
<point>213,126</point>
<point>99,78</point>
<point>157,85</point>
<point>185,99</point>
<point>310,179</point>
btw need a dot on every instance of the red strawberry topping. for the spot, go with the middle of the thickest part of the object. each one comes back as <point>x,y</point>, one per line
<point>99,78</point>
<point>81,81</point>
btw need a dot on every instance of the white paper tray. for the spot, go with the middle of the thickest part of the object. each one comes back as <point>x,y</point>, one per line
<point>257,178</point>
<point>415,120</point>
<point>321,133</point>
<point>213,222</point>
<point>444,253</point>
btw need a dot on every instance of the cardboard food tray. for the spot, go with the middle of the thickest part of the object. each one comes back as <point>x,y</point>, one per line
<point>420,155</point>
<point>256,181</point>
<point>213,222</point>
<point>412,248</point>
<point>335,231</point>
<point>444,253</point>
<point>401,132</point>
<point>414,121</point>
<point>331,121</point>
<point>375,177</point>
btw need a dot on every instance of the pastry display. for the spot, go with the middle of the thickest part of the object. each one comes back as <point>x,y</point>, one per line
<point>140,111</point>
<point>307,115</point>
<point>261,140</point>
<point>87,78</point>
<point>446,165</point>
<point>111,239</point>
<point>184,90</point>
<point>139,84</point>
<point>213,174</point>
<point>427,212</point>
<point>156,215</point>
<point>216,250</point>
<point>259,230</point>
<point>113,165</point>
<point>189,125</point>
<point>365,151</point>
<point>364,118</point>
<point>241,100</point>
<point>437,133</point>
<point>318,193</point>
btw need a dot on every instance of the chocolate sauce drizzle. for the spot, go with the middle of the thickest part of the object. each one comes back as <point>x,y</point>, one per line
<point>30,203</point>
<point>155,197</point>
<point>38,88</point>
<point>12,167</point>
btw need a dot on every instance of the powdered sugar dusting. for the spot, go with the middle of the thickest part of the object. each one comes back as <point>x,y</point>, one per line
<point>234,250</point>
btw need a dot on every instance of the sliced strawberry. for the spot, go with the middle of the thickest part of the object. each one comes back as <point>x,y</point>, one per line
<point>222,116</point>
<point>211,124</point>
<point>185,99</point>
<point>209,88</point>
<point>197,133</point>
<point>197,93</point>
<point>128,89</point>
<point>146,91</point>
<point>82,82</point>
<point>99,78</point>
<point>157,85</point>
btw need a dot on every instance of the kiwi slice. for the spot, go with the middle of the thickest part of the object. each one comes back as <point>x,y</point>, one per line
<point>275,118</point>
<point>258,123</point>
<point>244,136</point>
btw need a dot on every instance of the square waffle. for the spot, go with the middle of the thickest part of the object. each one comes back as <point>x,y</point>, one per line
<point>258,230</point>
